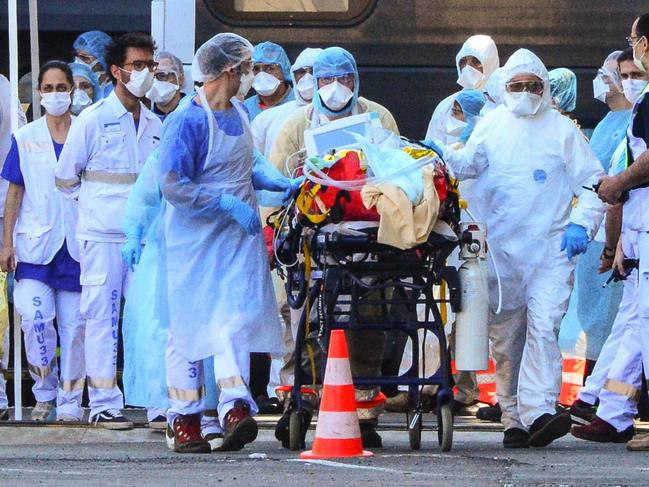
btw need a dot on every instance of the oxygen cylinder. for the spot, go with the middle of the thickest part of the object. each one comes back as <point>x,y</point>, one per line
<point>471,333</point>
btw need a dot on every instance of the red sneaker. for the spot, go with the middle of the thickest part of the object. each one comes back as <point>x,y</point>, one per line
<point>602,432</point>
<point>240,427</point>
<point>187,435</point>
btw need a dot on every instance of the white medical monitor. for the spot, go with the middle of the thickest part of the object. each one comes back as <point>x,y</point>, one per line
<point>338,135</point>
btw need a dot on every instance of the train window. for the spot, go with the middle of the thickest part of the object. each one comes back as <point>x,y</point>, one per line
<point>291,5</point>
<point>290,12</point>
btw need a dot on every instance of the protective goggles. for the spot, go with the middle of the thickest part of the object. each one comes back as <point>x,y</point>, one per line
<point>346,78</point>
<point>535,87</point>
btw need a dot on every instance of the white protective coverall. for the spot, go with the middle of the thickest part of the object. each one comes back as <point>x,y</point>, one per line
<point>101,159</point>
<point>527,171</point>
<point>484,49</point>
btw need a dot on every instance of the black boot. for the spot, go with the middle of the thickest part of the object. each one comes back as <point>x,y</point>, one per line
<point>369,435</point>
<point>549,427</point>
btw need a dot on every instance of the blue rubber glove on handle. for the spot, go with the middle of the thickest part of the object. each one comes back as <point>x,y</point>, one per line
<point>294,187</point>
<point>260,181</point>
<point>242,213</point>
<point>432,145</point>
<point>575,240</point>
<point>132,250</point>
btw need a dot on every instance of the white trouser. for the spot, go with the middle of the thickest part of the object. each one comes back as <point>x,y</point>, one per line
<point>621,391</point>
<point>104,280</point>
<point>594,383</point>
<point>38,305</point>
<point>4,363</point>
<point>525,347</point>
<point>186,382</point>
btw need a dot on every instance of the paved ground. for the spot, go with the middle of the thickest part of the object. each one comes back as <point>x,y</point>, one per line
<point>59,455</point>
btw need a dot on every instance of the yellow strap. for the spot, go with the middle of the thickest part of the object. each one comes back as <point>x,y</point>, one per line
<point>443,311</point>
<point>304,203</point>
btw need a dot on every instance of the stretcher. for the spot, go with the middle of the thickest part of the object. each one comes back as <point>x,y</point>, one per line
<point>334,271</point>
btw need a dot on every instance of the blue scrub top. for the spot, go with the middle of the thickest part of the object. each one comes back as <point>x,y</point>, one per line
<point>254,108</point>
<point>608,134</point>
<point>63,272</point>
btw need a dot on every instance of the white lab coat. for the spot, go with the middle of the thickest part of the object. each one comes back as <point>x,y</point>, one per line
<point>527,171</point>
<point>101,159</point>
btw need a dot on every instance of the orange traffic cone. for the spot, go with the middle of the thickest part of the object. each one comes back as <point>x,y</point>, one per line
<point>337,433</point>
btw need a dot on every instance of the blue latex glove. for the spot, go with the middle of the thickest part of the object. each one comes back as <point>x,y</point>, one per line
<point>575,240</point>
<point>294,187</point>
<point>242,213</point>
<point>260,181</point>
<point>132,250</point>
<point>432,145</point>
<point>466,133</point>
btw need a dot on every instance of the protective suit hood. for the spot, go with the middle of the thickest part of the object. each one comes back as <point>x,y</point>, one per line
<point>306,59</point>
<point>525,61</point>
<point>484,49</point>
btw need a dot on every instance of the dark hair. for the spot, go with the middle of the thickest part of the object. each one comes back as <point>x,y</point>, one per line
<point>626,55</point>
<point>642,28</point>
<point>116,50</point>
<point>63,66</point>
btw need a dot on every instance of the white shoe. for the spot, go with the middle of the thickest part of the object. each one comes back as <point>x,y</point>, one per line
<point>215,440</point>
<point>42,410</point>
<point>67,418</point>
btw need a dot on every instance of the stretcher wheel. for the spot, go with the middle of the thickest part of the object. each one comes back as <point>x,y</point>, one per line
<point>295,431</point>
<point>415,425</point>
<point>445,427</point>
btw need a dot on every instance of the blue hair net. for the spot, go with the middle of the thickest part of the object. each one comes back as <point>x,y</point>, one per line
<point>271,53</point>
<point>471,102</point>
<point>334,61</point>
<point>80,69</point>
<point>94,42</point>
<point>563,87</point>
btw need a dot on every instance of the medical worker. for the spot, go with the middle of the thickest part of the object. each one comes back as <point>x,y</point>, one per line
<point>272,81</point>
<point>5,145</point>
<point>40,246</point>
<point>563,89</point>
<point>593,308</point>
<point>267,124</point>
<point>102,157</point>
<point>86,87</point>
<point>617,399</point>
<point>336,95</point>
<point>208,180</point>
<point>169,78</point>
<point>465,113</point>
<point>492,93</point>
<point>90,49</point>
<point>529,162</point>
<point>476,61</point>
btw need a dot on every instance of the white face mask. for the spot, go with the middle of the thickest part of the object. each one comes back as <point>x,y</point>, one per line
<point>265,84</point>
<point>454,126</point>
<point>523,104</point>
<point>600,89</point>
<point>633,88</point>
<point>162,92</point>
<point>80,100</point>
<point>470,78</point>
<point>305,87</point>
<point>56,103</point>
<point>140,82</point>
<point>335,96</point>
<point>638,60</point>
<point>246,81</point>
<point>90,65</point>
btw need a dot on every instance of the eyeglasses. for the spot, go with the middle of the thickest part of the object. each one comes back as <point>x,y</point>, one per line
<point>165,75</point>
<point>302,71</point>
<point>535,87</point>
<point>633,40</point>
<point>86,58</point>
<point>345,79</point>
<point>140,65</point>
